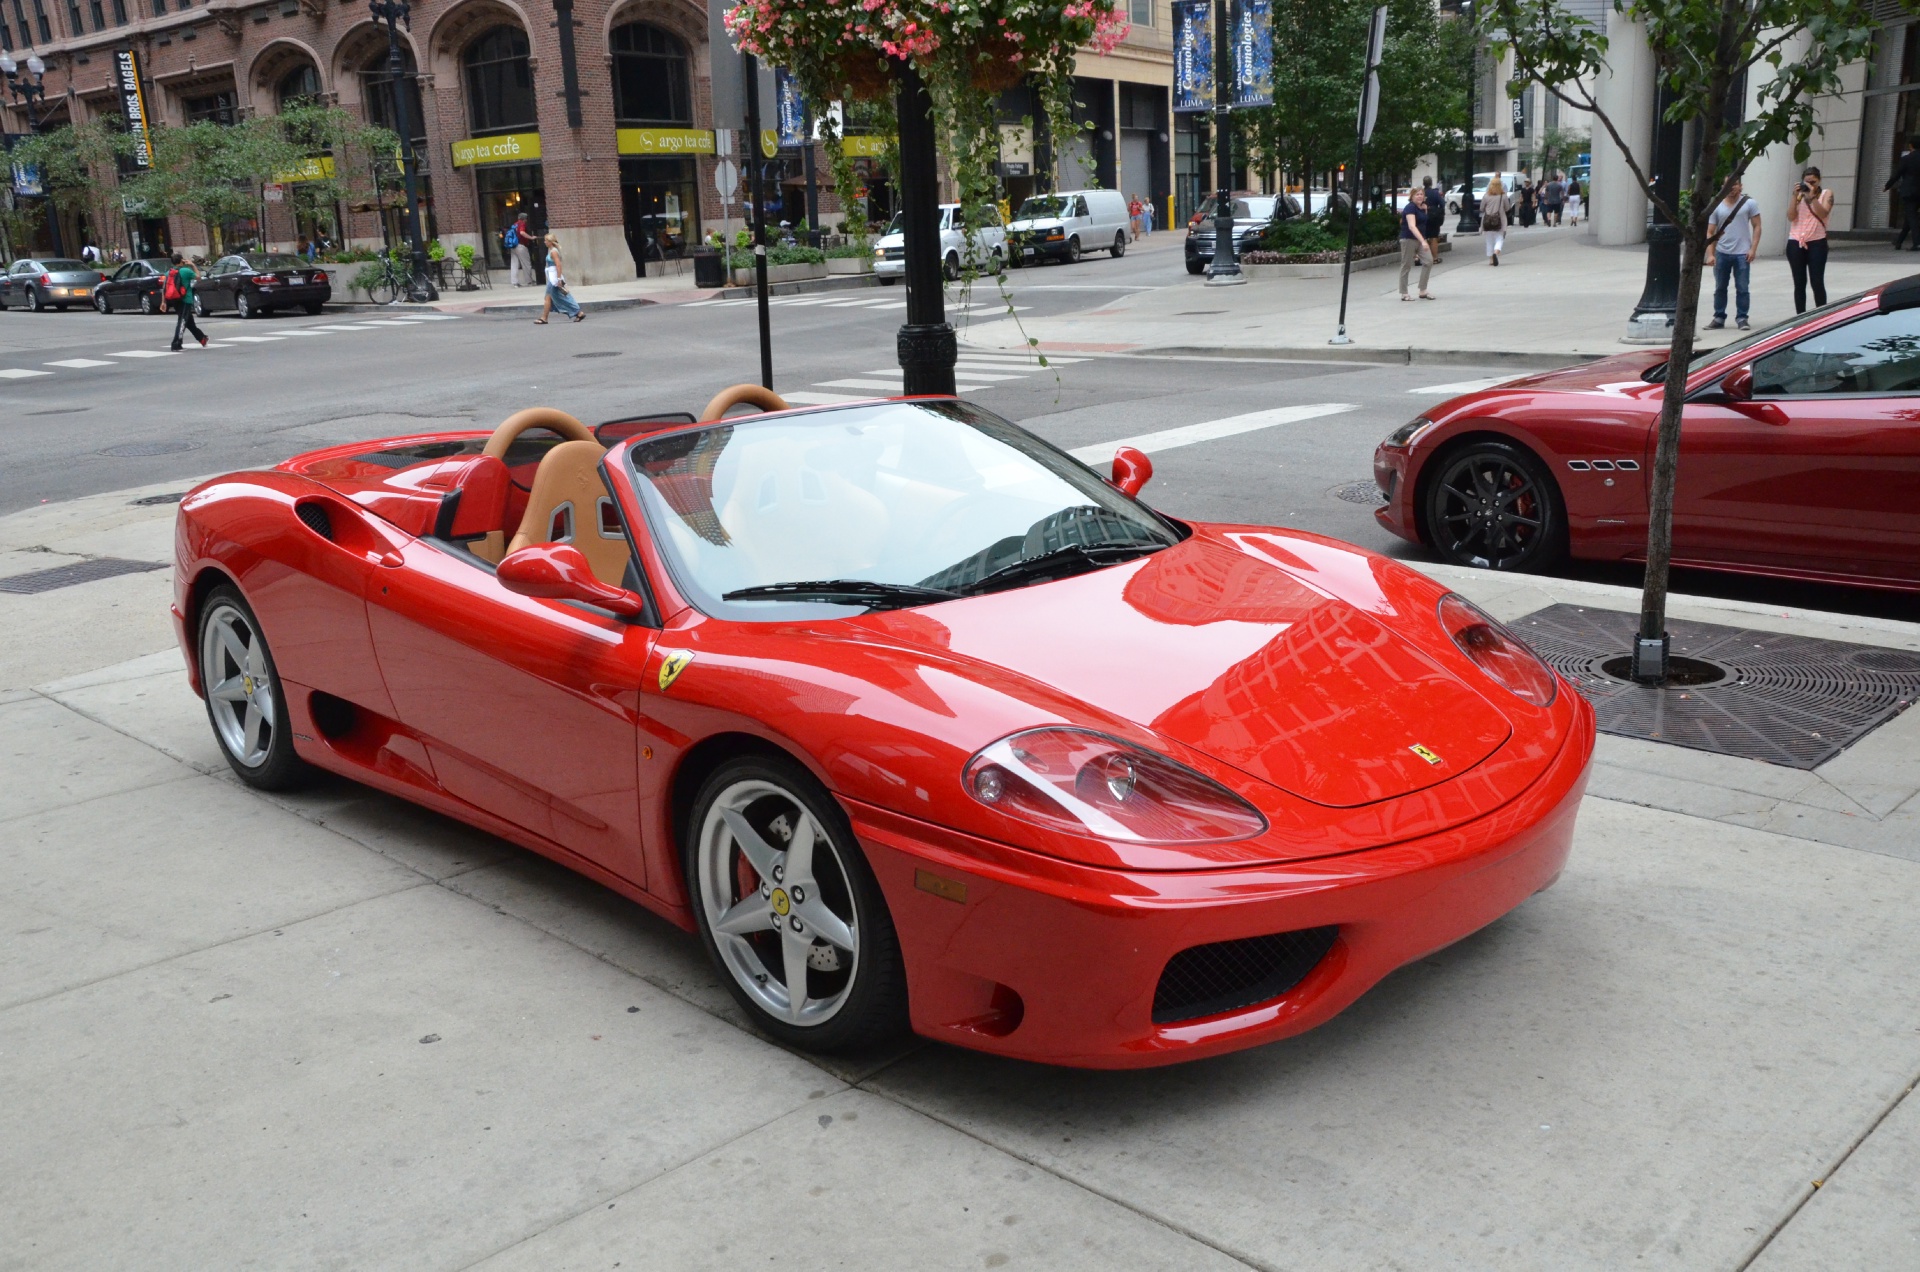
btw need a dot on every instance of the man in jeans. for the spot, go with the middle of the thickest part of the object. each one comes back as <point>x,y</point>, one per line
<point>1413,244</point>
<point>1733,240</point>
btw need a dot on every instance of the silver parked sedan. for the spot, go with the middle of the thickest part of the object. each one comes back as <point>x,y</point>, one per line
<point>48,282</point>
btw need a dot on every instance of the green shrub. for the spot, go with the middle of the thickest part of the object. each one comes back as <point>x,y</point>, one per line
<point>795,256</point>
<point>849,251</point>
<point>1300,234</point>
<point>436,251</point>
<point>464,254</point>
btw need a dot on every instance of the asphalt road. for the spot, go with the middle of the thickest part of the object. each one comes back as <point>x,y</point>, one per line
<point>82,415</point>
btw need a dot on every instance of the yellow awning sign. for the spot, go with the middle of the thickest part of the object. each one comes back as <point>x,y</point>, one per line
<point>313,168</point>
<point>510,148</point>
<point>664,141</point>
<point>865,147</point>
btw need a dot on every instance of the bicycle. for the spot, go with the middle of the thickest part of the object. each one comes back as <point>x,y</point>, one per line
<point>394,282</point>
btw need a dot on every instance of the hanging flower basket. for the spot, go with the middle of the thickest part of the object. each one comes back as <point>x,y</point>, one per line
<point>865,76</point>
<point>996,66</point>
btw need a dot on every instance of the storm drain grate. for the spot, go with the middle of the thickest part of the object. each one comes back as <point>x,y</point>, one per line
<point>154,501</point>
<point>1790,700</point>
<point>1360,492</point>
<point>60,576</point>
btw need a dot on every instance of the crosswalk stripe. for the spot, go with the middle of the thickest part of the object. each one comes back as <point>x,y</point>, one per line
<point>890,386</point>
<point>14,373</point>
<point>249,339</point>
<point>968,373</point>
<point>1188,434</point>
<point>307,331</point>
<point>436,317</point>
<point>143,353</point>
<point>1464,386</point>
<point>342,326</point>
<point>80,362</point>
<point>389,322</point>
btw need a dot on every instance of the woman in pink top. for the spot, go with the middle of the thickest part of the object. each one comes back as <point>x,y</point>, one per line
<point>1807,239</point>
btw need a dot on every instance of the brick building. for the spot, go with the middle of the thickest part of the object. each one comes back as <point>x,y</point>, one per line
<point>615,156</point>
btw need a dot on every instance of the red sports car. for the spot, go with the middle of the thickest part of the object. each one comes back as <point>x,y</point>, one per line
<point>1799,456</point>
<point>912,717</point>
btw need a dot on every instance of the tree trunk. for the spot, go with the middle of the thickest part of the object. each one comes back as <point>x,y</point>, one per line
<point>1666,455</point>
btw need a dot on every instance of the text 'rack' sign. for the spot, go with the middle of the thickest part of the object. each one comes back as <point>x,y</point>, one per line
<point>133,105</point>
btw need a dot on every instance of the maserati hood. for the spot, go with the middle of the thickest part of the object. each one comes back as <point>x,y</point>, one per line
<point>1621,372</point>
<point>1212,644</point>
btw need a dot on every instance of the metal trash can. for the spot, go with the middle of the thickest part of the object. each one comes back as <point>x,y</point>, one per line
<point>709,269</point>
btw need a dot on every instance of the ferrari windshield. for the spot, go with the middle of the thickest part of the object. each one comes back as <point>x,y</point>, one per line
<point>898,503</point>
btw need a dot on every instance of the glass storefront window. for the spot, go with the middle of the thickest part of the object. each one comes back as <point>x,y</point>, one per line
<point>660,200</point>
<point>649,76</point>
<point>499,83</point>
<point>377,91</point>
<point>506,190</point>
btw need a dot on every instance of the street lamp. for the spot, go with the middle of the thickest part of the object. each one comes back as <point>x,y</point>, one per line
<point>25,89</point>
<point>1469,212</point>
<point>395,12</point>
<point>1225,270</point>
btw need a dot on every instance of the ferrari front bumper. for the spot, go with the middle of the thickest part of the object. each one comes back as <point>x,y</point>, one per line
<point>1046,960</point>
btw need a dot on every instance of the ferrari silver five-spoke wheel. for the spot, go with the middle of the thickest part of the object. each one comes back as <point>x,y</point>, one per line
<point>789,909</point>
<point>242,689</point>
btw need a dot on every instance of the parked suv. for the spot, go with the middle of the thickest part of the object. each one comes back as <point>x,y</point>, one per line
<point>1252,214</point>
<point>1064,226</point>
<point>989,245</point>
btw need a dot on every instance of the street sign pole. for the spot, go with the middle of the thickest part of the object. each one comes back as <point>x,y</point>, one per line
<point>1363,133</point>
<point>755,190</point>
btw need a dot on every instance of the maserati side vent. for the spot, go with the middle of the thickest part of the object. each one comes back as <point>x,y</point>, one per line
<point>316,518</point>
<point>1228,975</point>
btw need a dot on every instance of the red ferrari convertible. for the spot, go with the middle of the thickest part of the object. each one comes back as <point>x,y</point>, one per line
<point>1799,456</point>
<point>912,717</point>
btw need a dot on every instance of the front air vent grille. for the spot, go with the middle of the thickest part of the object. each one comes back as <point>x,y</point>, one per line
<point>316,519</point>
<point>1228,975</point>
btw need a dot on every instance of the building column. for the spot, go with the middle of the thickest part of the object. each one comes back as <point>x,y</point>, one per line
<point>1616,205</point>
<point>1771,177</point>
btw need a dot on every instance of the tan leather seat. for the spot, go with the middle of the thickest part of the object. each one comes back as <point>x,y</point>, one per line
<point>566,506</point>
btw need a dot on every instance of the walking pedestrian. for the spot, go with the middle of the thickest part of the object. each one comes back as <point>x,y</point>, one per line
<point>1573,200</point>
<point>558,297</point>
<point>1551,192</point>
<point>178,290</point>
<point>1527,203</point>
<point>1807,239</point>
<point>1905,182</point>
<point>519,256</point>
<point>1436,219</point>
<point>1413,244</point>
<point>1733,240</point>
<point>1146,218</point>
<point>1494,209</point>
<point>1134,211</point>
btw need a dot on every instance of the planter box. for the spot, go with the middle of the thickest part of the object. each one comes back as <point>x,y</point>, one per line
<point>781,274</point>
<point>1327,269</point>
<point>850,264</point>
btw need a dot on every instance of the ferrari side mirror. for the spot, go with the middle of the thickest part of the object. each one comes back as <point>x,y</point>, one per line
<point>558,572</point>
<point>1132,470</point>
<point>1738,384</point>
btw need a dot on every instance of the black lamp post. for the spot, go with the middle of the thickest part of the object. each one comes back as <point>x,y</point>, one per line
<point>26,88</point>
<point>926,342</point>
<point>1652,320</point>
<point>1225,270</point>
<point>1469,210</point>
<point>394,12</point>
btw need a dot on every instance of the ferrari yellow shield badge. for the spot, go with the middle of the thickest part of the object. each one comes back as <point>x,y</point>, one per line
<point>1417,748</point>
<point>674,662</point>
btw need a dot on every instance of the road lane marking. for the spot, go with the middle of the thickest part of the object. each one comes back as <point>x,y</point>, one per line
<point>1211,430</point>
<point>144,353</point>
<point>15,374</point>
<point>389,322</point>
<point>80,362</point>
<point>1466,386</point>
<point>249,339</point>
<point>436,317</point>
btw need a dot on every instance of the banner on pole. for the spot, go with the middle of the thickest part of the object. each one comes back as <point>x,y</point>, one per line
<point>789,110</point>
<point>1370,88</point>
<point>1253,54</point>
<point>133,105</point>
<point>1192,56</point>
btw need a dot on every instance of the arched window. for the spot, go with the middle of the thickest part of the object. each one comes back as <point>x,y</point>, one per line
<point>650,76</point>
<point>300,87</point>
<point>499,82</point>
<point>377,91</point>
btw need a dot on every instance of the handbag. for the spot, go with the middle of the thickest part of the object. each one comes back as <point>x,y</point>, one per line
<point>1490,221</point>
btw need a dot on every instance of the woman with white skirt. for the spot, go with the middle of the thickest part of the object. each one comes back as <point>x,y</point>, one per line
<point>1494,210</point>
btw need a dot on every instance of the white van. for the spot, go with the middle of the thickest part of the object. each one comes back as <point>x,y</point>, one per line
<point>1066,225</point>
<point>989,245</point>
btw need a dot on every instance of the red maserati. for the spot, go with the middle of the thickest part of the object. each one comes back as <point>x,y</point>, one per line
<point>1799,456</point>
<point>914,719</point>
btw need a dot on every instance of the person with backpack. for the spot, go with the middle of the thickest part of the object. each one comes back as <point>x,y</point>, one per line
<point>177,290</point>
<point>1494,209</point>
<point>519,253</point>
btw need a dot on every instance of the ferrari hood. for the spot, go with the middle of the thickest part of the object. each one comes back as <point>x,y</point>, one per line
<point>1214,644</point>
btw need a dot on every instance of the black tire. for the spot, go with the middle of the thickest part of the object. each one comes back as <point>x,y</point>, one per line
<point>869,1006</point>
<point>34,304</point>
<point>1494,506</point>
<point>278,769</point>
<point>199,307</point>
<point>950,267</point>
<point>100,303</point>
<point>147,305</point>
<point>1073,250</point>
<point>244,307</point>
<point>888,280</point>
<point>1119,248</point>
<point>312,307</point>
<point>1196,267</point>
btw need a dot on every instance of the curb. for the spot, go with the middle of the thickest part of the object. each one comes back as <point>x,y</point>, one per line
<point>832,282</point>
<point>586,306</point>
<point>1525,360</point>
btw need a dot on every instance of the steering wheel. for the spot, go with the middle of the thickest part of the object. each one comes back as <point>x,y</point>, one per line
<point>535,417</point>
<point>740,395</point>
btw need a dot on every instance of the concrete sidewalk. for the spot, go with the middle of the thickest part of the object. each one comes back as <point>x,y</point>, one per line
<point>329,1030</point>
<point>1557,296</point>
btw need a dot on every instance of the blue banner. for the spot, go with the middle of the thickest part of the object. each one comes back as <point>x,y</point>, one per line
<point>1253,54</point>
<point>1193,56</point>
<point>790,112</point>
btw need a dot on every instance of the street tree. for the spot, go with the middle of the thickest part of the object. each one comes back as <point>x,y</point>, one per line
<point>75,163</point>
<point>1706,53</point>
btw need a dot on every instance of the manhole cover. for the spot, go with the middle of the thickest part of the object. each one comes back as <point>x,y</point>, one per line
<point>1788,700</point>
<point>151,501</point>
<point>78,572</point>
<point>1360,492</point>
<point>599,353</point>
<point>145,450</point>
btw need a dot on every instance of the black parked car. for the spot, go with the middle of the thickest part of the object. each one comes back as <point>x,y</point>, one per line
<point>1252,214</point>
<point>135,285</point>
<point>48,282</point>
<point>259,283</point>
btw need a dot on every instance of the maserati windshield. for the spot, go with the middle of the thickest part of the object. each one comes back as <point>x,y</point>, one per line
<point>882,506</point>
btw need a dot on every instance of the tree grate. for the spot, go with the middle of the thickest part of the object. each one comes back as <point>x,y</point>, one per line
<point>88,571</point>
<point>1795,701</point>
